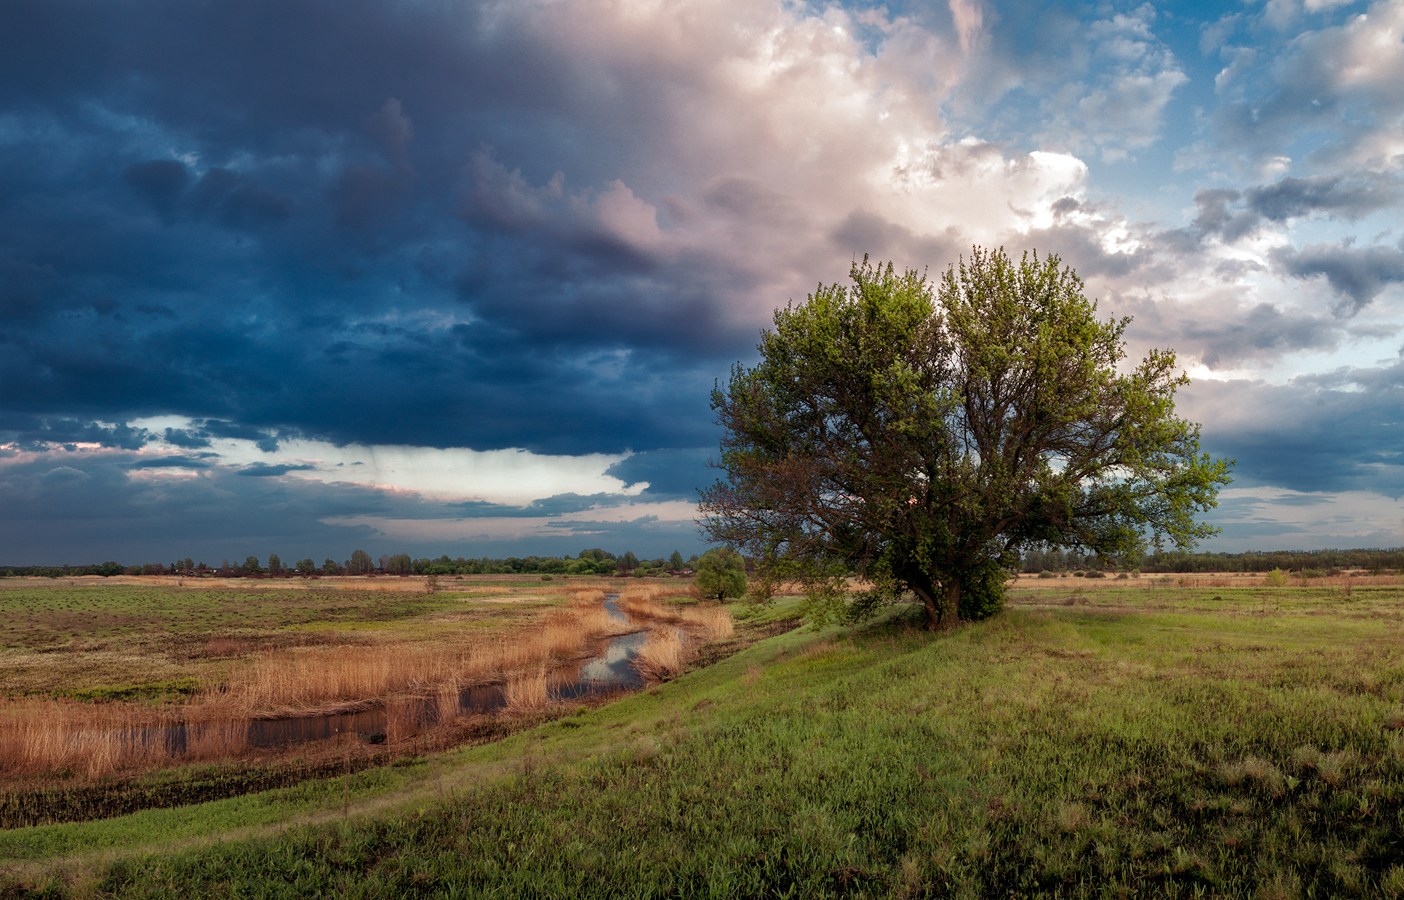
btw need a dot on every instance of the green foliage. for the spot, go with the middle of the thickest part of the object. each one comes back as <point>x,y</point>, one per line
<point>982,591</point>
<point>921,436</point>
<point>251,566</point>
<point>360,563</point>
<point>721,574</point>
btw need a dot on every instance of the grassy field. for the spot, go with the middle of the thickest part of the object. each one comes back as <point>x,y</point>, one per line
<point>1136,738</point>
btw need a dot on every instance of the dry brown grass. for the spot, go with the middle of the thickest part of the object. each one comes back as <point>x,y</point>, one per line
<point>48,736</point>
<point>587,598</point>
<point>662,656</point>
<point>716,622</point>
<point>402,718</point>
<point>527,690</point>
<point>279,683</point>
<point>220,739</point>
<point>90,739</point>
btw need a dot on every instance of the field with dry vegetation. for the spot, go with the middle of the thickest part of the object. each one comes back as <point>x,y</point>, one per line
<point>94,673</point>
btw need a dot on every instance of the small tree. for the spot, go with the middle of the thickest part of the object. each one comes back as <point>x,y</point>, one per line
<point>251,566</point>
<point>275,565</point>
<point>675,562</point>
<point>721,574</point>
<point>921,438</point>
<point>330,567</point>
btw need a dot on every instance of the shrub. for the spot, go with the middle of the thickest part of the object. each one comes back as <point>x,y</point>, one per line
<point>1079,574</point>
<point>1046,574</point>
<point>1096,573</point>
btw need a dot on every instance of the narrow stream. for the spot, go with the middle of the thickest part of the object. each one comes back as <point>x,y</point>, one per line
<point>612,670</point>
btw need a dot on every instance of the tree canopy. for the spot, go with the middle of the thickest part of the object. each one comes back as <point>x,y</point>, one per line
<point>721,573</point>
<point>920,435</point>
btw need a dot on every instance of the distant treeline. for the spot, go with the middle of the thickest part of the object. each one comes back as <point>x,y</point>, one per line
<point>1373,560</point>
<point>602,562</point>
<point>589,562</point>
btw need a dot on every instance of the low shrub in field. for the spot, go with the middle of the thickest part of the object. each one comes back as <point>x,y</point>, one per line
<point>1046,574</point>
<point>1096,573</point>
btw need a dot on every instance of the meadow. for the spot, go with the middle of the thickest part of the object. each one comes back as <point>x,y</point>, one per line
<point>1221,737</point>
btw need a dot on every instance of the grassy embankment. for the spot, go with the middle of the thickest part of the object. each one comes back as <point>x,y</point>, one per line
<point>88,667</point>
<point>1096,739</point>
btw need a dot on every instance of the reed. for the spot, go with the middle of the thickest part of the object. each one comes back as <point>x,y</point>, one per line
<point>446,700</point>
<point>645,601</point>
<point>305,678</point>
<point>662,656</point>
<point>220,739</point>
<point>587,598</point>
<point>527,691</point>
<point>716,622</point>
<point>38,736</point>
<point>402,718</point>
<point>412,681</point>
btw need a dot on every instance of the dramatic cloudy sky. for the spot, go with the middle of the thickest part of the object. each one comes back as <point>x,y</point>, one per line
<point>303,276</point>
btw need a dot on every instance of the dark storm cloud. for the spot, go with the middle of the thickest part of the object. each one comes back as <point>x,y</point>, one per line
<point>1318,433</point>
<point>671,474</point>
<point>1264,331</point>
<point>557,505</point>
<point>269,215</point>
<point>172,462</point>
<point>1232,214</point>
<point>263,470</point>
<point>1357,275</point>
<point>37,432</point>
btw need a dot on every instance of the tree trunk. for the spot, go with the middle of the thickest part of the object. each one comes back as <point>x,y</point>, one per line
<point>942,614</point>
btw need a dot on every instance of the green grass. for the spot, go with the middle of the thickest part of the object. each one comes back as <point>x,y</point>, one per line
<point>1136,743</point>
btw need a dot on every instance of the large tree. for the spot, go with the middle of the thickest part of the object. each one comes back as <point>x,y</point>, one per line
<point>919,436</point>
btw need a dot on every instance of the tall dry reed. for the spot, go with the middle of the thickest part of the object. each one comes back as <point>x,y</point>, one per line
<point>38,736</point>
<point>662,656</point>
<point>714,621</point>
<point>219,739</point>
<point>284,681</point>
<point>587,598</point>
<point>527,690</point>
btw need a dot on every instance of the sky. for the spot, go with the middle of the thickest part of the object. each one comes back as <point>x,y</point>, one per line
<point>308,276</point>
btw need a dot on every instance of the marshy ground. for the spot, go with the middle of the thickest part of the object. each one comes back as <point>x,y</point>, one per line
<point>103,680</point>
<point>1145,737</point>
